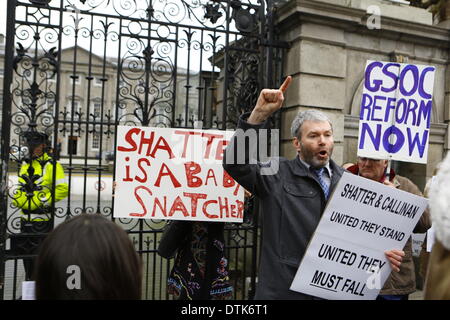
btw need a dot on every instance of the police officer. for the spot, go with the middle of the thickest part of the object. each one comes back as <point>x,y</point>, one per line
<point>35,194</point>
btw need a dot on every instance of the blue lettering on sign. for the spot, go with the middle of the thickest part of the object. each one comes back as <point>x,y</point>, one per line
<point>399,141</point>
<point>415,141</point>
<point>376,138</point>
<point>376,85</point>
<point>425,112</point>
<point>415,75</point>
<point>412,109</point>
<point>407,111</point>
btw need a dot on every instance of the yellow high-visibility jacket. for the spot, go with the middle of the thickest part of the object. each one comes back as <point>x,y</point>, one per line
<point>41,198</point>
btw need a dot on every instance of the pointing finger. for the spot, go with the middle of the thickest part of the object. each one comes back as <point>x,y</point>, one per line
<point>286,84</point>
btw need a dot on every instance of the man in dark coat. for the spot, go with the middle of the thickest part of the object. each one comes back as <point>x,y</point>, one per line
<point>292,193</point>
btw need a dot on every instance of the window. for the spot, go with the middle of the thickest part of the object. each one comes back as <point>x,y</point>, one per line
<point>72,145</point>
<point>96,141</point>
<point>97,109</point>
<point>76,109</point>
<point>98,81</point>
<point>77,79</point>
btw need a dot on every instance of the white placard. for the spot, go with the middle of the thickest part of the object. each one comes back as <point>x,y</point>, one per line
<point>362,220</point>
<point>395,111</point>
<point>417,242</point>
<point>175,174</point>
<point>28,290</point>
<point>430,239</point>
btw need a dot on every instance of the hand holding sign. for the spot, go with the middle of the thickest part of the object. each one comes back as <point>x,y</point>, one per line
<point>269,101</point>
<point>395,258</point>
<point>350,255</point>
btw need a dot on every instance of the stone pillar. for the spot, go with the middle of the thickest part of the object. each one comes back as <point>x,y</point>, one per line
<point>330,42</point>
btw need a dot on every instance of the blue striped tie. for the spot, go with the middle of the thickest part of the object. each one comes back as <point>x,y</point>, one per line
<point>319,173</point>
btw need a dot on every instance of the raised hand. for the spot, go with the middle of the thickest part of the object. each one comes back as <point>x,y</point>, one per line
<point>269,101</point>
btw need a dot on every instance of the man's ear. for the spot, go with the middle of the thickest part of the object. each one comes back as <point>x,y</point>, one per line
<point>296,144</point>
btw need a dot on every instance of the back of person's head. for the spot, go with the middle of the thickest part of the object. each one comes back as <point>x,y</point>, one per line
<point>439,204</point>
<point>95,249</point>
<point>437,284</point>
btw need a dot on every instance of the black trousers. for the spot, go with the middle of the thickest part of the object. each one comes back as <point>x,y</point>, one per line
<point>32,235</point>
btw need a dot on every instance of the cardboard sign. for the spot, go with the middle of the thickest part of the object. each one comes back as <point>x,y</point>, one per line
<point>396,111</point>
<point>345,258</point>
<point>175,174</point>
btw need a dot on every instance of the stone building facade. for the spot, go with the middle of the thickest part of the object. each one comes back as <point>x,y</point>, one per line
<point>95,96</point>
<point>330,42</point>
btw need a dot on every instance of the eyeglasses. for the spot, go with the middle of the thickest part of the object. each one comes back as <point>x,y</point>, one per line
<point>364,159</point>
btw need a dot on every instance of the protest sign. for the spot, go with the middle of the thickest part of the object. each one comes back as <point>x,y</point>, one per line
<point>175,174</point>
<point>345,258</point>
<point>396,111</point>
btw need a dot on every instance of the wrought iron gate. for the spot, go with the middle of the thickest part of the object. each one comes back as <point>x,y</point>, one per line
<point>75,69</point>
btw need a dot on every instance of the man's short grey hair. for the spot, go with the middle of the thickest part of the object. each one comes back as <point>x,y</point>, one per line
<point>308,115</point>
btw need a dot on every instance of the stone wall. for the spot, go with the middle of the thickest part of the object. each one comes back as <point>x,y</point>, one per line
<point>330,42</point>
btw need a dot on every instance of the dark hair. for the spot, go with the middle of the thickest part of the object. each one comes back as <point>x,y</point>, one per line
<point>102,252</point>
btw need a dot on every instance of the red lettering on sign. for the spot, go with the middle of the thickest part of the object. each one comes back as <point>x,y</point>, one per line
<point>223,207</point>
<point>129,139</point>
<point>165,171</point>
<point>210,175</point>
<point>127,171</point>
<point>220,148</point>
<point>240,208</point>
<point>228,181</point>
<point>144,179</point>
<point>146,141</point>
<point>139,199</point>
<point>163,145</point>
<point>211,137</point>
<point>178,205</point>
<point>158,203</point>
<point>205,211</point>
<point>186,134</point>
<point>235,192</point>
<point>192,168</point>
<point>194,201</point>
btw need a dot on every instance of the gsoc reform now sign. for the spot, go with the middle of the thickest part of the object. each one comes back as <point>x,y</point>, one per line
<point>345,258</point>
<point>175,174</point>
<point>396,111</point>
